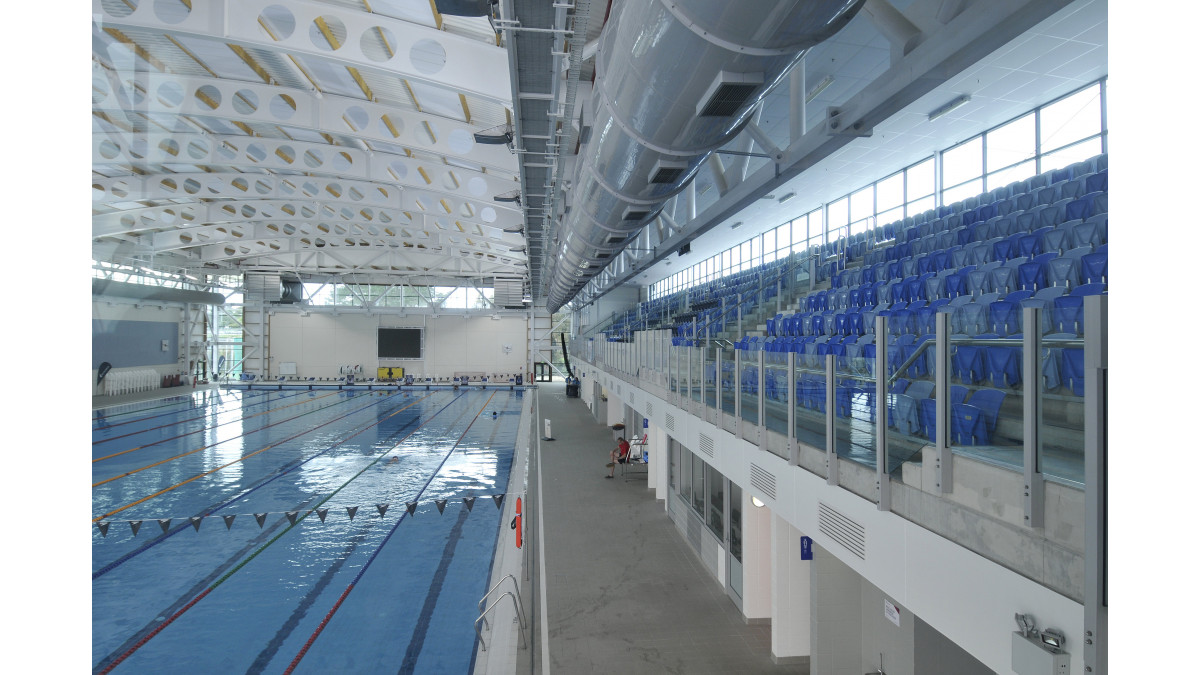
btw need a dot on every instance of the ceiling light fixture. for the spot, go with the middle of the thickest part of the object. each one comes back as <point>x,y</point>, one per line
<point>786,197</point>
<point>949,107</point>
<point>736,225</point>
<point>816,91</point>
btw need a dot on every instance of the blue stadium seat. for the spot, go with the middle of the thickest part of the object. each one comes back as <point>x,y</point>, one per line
<point>988,401</point>
<point>1057,239</point>
<point>968,425</point>
<point>1072,369</point>
<point>1091,232</point>
<point>1029,245</point>
<point>1097,182</point>
<point>1005,317</point>
<point>971,319</point>
<point>1031,275</point>
<point>1068,314</point>
<point>1089,289</point>
<point>1003,365</point>
<point>1095,267</point>
<point>978,282</point>
<point>1072,189</point>
<point>1045,196</point>
<point>1024,201</point>
<point>1059,175</point>
<point>1064,271</point>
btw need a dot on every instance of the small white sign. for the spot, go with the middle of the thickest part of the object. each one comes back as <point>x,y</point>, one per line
<point>890,611</point>
<point>548,435</point>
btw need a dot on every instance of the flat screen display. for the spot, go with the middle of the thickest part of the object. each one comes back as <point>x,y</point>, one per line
<point>400,343</point>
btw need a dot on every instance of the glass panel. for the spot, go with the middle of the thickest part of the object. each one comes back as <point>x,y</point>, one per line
<point>889,193</point>
<point>1012,174</point>
<point>750,386</point>
<point>728,388</point>
<point>920,206</point>
<point>891,215</point>
<point>1067,156</point>
<point>839,213</point>
<point>854,421</point>
<point>961,192</point>
<point>810,397</point>
<point>710,377</point>
<point>1062,408</point>
<point>696,359</point>
<point>986,413</point>
<point>775,389</point>
<point>698,484</point>
<point>862,226</point>
<point>674,463</point>
<point>962,163</point>
<point>1071,119</point>
<point>862,203</point>
<point>1012,143</point>
<point>685,476</point>
<point>910,404</point>
<point>919,182</point>
<point>735,538</point>
<point>673,366</point>
<point>716,502</point>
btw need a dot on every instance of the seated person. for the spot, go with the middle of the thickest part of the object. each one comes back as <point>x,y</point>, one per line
<point>620,454</point>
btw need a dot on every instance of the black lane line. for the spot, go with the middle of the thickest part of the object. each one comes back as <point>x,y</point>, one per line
<point>431,598</point>
<point>273,646</point>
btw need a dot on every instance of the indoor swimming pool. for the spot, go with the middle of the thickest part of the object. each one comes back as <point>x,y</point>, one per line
<point>296,531</point>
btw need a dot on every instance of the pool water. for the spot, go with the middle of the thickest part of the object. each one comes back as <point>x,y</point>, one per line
<point>377,592</point>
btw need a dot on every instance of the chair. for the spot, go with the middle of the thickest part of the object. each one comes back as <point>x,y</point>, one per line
<point>978,282</point>
<point>1045,196</point>
<point>1003,280</point>
<point>966,363</point>
<point>1095,267</point>
<point>1072,372</point>
<point>638,457</point>
<point>1005,317</point>
<point>1003,365</point>
<point>1091,232</point>
<point>1031,275</point>
<point>1057,239</point>
<point>1089,289</point>
<point>1064,271</point>
<point>1002,249</point>
<point>988,401</point>
<point>968,426</point>
<point>971,319</point>
<point>1068,314</point>
<point>1072,189</point>
<point>1097,182</point>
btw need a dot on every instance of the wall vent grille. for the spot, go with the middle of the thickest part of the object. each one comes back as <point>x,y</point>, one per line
<point>842,530</point>
<point>706,445</point>
<point>762,480</point>
<point>670,422</point>
<point>649,409</point>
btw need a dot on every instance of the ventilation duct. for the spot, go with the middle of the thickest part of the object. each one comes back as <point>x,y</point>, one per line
<point>674,81</point>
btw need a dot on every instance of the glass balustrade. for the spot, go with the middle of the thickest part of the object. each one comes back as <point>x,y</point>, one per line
<point>854,403</point>
<point>750,387</point>
<point>809,398</point>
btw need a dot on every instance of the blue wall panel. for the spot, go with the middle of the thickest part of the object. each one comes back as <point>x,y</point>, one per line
<point>126,344</point>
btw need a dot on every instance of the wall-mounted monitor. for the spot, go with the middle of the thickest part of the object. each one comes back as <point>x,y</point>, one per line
<point>401,343</point>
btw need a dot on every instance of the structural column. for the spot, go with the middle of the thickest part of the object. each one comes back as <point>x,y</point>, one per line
<point>756,560</point>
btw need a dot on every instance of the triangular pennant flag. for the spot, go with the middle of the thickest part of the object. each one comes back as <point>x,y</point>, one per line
<point>470,502</point>
<point>103,525</point>
<point>135,525</point>
<point>499,499</point>
<point>260,517</point>
<point>441,504</point>
<point>291,515</point>
<point>351,510</point>
<point>196,522</point>
<point>382,509</point>
<point>412,508</point>
<point>164,523</point>
<point>321,513</point>
<point>229,520</point>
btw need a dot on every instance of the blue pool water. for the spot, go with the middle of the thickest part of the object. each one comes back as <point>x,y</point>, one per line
<point>377,593</point>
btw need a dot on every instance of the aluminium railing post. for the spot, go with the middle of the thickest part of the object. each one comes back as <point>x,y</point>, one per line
<point>793,449</point>
<point>831,461</point>
<point>1035,486</point>
<point>943,459</point>
<point>1095,476</point>
<point>687,400</point>
<point>720,388</point>
<point>739,310</point>
<point>883,480</point>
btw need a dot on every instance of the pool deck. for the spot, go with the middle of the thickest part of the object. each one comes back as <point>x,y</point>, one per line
<point>624,592</point>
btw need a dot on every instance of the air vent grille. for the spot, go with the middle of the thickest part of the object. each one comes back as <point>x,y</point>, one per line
<point>633,214</point>
<point>649,409</point>
<point>667,175</point>
<point>706,445</point>
<point>670,422</point>
<point>762,480</point>
<point>842,530</point>
<point>728,93</point>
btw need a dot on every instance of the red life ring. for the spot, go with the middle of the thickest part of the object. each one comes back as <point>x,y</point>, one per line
<point>518,528</point>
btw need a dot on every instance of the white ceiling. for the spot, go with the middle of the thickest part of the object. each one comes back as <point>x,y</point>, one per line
<point>1059,55</point>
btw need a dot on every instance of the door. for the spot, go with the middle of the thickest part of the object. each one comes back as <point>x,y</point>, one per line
<point>733,561</point>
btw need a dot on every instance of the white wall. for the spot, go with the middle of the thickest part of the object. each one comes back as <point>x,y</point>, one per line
<point>321,343</point>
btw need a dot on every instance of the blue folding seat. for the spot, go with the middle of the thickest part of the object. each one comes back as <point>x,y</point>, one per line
<point>905,415</point>
<point>1039,181</point>
<point>1018,296</point>
<point>966,363</point>
<point>925,264</point>
<point>868,275</point>
<point>1031,275</point>
<point>1002,249</point>
<point>1059,175</point>
<point>989,401</point>
<point>979,253</point>
<point>817,324</point>
<point>1002,279</point>
<point>1057,239</point>
<point>1045,196</point>
<point>1095,267</point>
<point>1072,369</point>
<point>1097,182</point>
<point>1003,365</point>
<point>935,287</point>
<point>910,288</point>
<point>1024,202</point>
<point>1091,232</point>
<point>1005,206</point>
<point>1080,208</point>
<point>1004,317</point>
<point>830,321</point>
<point>956,285</point>
<point>968,425</point>
<point>909,266</point>
<point>978,282</point>
<point>927,418</point>
<point>944,240</point>
<point>986,211</point>
<point>1068,314</point>
<point>771,323</point>
<point>1072,189</point>
<point>971,319</point>
<point>1064,271</point>
<point>1054,214</point>
<point>1029,244</point>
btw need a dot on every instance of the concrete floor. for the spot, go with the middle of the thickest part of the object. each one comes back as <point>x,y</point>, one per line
<point>625,593</point>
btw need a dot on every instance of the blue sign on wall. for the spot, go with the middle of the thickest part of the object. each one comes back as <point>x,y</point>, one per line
<point>806,548</point>
<point>645,423</point>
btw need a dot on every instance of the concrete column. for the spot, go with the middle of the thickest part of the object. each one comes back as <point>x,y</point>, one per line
<point>756,560</point>
<point>791,610</point>
<point>657,472</point>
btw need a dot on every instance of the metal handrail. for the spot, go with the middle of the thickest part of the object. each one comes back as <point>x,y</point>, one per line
<point>520,616</point>
<point>479,607</point>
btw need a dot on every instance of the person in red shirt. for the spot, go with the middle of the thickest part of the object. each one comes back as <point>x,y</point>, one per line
<point>619,455</point>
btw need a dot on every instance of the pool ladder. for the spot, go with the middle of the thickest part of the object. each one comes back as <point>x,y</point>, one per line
<point>484,612</point>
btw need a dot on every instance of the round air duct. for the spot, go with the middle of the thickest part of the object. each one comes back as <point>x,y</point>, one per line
<point>675,80</point>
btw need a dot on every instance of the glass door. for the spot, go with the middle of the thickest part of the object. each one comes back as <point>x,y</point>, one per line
<point>733,561</point>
